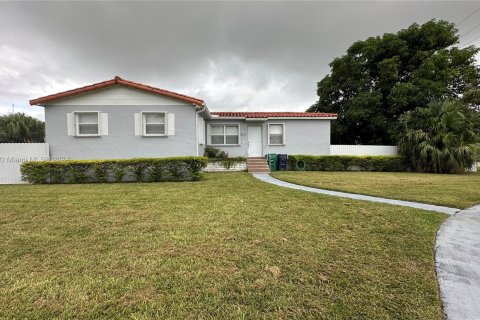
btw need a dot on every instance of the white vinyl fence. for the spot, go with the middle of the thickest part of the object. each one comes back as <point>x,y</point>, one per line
<point>13,154</point>
<point>360,150</point>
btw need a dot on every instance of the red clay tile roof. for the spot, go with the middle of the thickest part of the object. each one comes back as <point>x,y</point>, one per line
<point>275,114</point>
<point>115,81</point>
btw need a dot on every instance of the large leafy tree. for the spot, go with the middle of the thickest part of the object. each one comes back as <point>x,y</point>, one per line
<point>441,138</point>
<point>20,128</point>
<point>383,77</point>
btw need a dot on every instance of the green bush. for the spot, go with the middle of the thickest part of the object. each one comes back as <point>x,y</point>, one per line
<point>102,171</point>
<point>346,163</point>
<point>215,153</point>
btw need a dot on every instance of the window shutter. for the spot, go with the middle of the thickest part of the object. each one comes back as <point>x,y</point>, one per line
<point>171,124</point>
<point>103,124</point>
<point>138,124</point>
<point>71,124</point>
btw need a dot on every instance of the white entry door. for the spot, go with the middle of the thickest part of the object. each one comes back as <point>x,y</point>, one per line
<point>254,141</point>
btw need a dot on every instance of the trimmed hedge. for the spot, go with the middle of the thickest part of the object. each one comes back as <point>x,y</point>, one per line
<point>346,163</point>
<point>122,170</point>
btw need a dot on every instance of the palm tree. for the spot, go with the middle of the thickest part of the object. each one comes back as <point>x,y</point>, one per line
<point>441,138</point>
<point>20,128</point>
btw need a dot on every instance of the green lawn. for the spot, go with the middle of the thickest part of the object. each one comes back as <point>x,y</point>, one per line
<point>451,190</point>
<point>226,247</point>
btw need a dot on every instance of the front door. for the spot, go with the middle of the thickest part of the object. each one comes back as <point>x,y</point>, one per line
<point>254,141</point>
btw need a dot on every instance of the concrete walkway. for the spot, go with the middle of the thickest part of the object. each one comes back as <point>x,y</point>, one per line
<point>269,179</point>
<point>457,259</point>
<point>457,251</point>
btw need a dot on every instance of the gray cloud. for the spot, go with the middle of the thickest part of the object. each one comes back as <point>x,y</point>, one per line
<point>235,56</point>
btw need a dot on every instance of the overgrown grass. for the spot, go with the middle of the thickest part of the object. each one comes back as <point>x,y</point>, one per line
<point>226,247</point>
<point>452,190</point>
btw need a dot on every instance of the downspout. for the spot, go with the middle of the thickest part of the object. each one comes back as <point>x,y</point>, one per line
<point>200,110</point>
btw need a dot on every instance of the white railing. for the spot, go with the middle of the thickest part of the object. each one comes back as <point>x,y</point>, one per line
<point>361,150</point>
<point>13,154</point>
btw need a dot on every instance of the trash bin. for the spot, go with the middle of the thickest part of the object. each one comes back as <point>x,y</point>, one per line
<point>272,159</point>
<point>282,162</point>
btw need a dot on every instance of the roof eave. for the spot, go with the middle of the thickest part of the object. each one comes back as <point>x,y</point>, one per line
<point>302,118</point>
<point>109,83</point>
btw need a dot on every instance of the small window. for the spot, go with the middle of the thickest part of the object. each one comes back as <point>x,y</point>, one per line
<point>87,123</point>
<point>154,124</point>
<point>224,134</point>
<point>276,134</point>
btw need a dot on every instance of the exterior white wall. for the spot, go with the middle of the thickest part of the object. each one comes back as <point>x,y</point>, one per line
<point>302,136</point>
<point>120,103</point>
<point>218,167</point>
<point>361,150</point>
<point>12,155</point>
<point>117,95</point>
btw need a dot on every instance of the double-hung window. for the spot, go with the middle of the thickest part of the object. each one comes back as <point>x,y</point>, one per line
<point>276,134</point>
<point>154,123</point>
<point>224,134</point>
<point>87,123</point>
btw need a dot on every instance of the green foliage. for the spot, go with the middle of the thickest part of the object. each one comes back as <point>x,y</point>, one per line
<point>441,138</point>
<point>155,172</point>
<point>77,172</point>
<point>20,128</point>
<point>471,98</point>
<point>346,163</point>
<point>215,153</point>
<point>230,162</point>
<point>118,170</point>
<point>138,169</point>
<point>381,78</point>
<point>102,171</point>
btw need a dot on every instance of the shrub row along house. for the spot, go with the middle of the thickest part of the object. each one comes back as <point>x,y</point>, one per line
<point>118,119</point>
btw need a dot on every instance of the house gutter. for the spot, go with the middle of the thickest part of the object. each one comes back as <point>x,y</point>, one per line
<point>199,109</point>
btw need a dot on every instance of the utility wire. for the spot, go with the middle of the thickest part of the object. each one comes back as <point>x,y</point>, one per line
<point>466,44</point>
<point>467,17</point>
<point>475,27</point>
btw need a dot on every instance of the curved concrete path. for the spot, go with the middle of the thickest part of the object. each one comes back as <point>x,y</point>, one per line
<point>457,260</point>
<point>269,179</point>
<point>457,250</point>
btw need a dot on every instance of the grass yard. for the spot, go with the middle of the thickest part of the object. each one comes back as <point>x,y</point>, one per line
<point>226,247</point>
<point>451,190</point>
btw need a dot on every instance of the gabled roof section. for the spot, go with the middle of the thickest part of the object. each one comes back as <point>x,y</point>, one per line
<point>113,82</point>
<point>274,115</point>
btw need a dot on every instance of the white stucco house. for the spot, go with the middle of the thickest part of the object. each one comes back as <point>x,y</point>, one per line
<point>123,119</point>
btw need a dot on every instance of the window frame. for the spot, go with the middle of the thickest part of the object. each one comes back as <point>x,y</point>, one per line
<point>144,124</point>
<point>77,124</point>
<point>283,134</point>
<point>224,125</point>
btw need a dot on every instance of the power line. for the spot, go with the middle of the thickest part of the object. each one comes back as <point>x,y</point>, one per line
<point>466,44</point>
<point>475,27</point>
<point>467,17</point>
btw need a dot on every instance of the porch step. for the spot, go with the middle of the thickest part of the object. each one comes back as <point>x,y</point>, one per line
<point>257,165</point>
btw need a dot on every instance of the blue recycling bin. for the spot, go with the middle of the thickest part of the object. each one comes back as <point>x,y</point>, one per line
<point>282,162</point>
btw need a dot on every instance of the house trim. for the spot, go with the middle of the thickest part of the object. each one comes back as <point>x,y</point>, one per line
<point>284,134</point>
<point>209,135</point>
<point>113,82</point>
<point>77,125</point>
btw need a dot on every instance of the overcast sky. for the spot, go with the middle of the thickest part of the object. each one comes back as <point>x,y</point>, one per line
<point>252,56</point>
